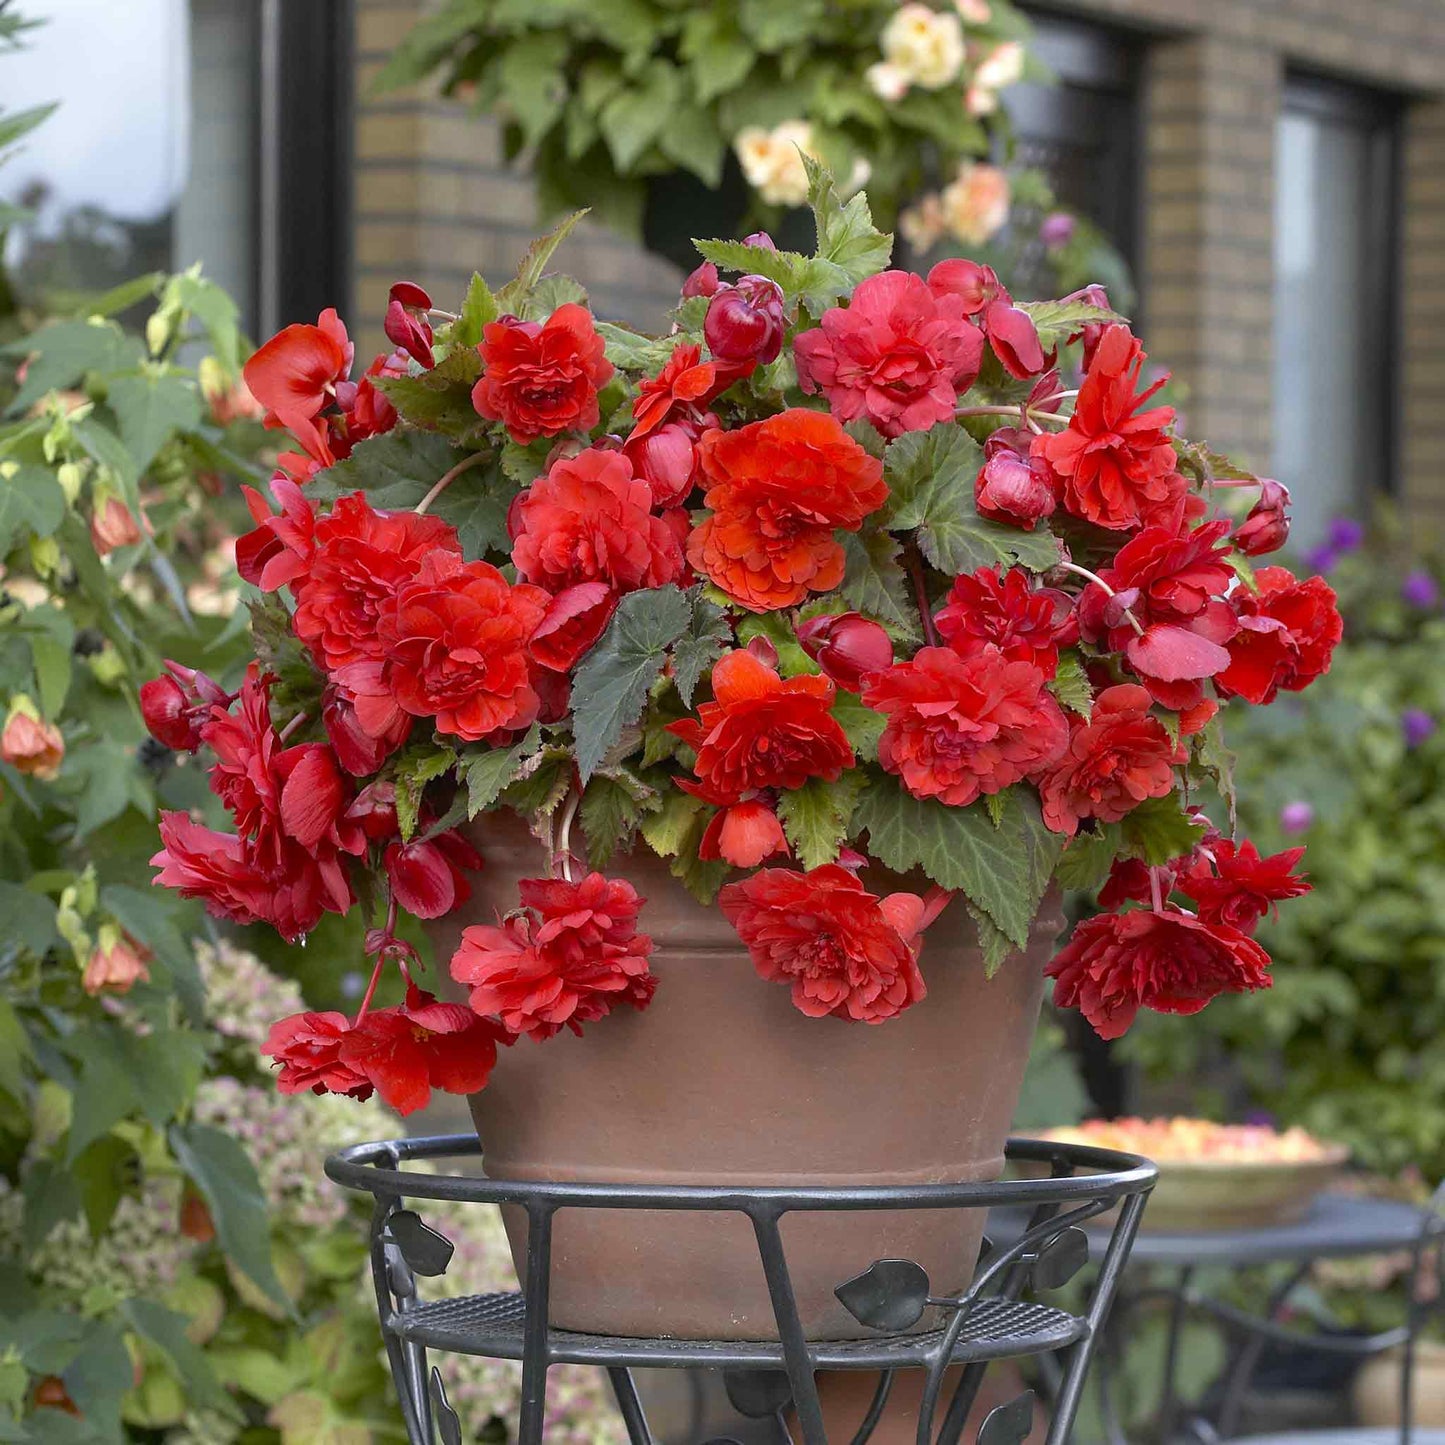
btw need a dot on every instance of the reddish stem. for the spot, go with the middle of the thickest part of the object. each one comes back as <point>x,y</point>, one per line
<point>447,478</point>
<point>1156,896</point>
<point>370,989</point>
<point>920,590</point>
<point>291,726</point>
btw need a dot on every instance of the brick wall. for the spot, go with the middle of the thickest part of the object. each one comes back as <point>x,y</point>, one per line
<point>435,201</point>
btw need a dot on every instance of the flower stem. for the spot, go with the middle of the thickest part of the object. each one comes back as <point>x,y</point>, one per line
<point>291,726</point>
<point>447,478</point>
<point>370,989</point>
<point>564,832</point>
<point>920,590</point>
<point>1099,581</point>
<point>1025,414</point>
<point>1156,896</point>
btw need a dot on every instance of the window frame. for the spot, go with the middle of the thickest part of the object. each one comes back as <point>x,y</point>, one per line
<point>1378,115</point>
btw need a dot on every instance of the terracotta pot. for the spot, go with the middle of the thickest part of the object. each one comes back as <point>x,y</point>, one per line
<point>722,1081</point>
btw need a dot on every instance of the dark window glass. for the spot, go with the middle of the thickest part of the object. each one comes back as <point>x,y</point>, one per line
<point>1333,299</point>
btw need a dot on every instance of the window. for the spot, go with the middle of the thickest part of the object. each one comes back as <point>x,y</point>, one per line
<point>1333,299</point>
<point>1082,132</point>
<point>218,134</point>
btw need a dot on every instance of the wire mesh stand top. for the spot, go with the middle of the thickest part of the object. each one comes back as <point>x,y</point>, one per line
<point>991,1320</point>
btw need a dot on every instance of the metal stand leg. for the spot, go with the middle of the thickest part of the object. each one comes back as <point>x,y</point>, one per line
<point>790,1329</point>
<point>624,1387</point>
<point>535,1352</point>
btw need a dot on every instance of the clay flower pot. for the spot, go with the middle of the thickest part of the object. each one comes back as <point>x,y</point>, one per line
<point>722,1081</point>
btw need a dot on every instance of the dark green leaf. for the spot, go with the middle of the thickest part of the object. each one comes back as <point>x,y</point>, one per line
<point>847,237</point>
<point>27,919</point>
<point>611,684</point>
<point>1070,684</point>
<point>221,1170</point>
<point>478,310</point>
<point>52,636</point>
<point>543,780</point>
<point>637,116</point>
<point>486,774</point>
<point>151,409</point>
<point>414,770</point>
<point>1087,858</point>
<point>612,806</point>
<point>14,1046</point>
<point>862,725</point>
<point>674,832</point>
<point>97,1379</point>
<point>1159,830</point>
<point>1056,320</point>
<point>51,1197</point>
<point>931,481</point>
<point>533,81</point>
<point>715,48</point>
<point>708,636</point>
<point>816,817</point>
<point>993,942</point>
<point>105,1092</point>
<point>632,351</point>
<point>395,470</point>
<point>692,139</point>
<point>1004,870</point>
<point>101,1172</point>
<point>875,583</point>
<point>434,402</point>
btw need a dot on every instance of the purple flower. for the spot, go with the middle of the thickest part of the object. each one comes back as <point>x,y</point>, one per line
<point>1420,590</point>
<point>1345,534</point>
<point>1296,817</point>
<point>1057,230</point>
<point>1321,558</point>
<point>1416,725</point>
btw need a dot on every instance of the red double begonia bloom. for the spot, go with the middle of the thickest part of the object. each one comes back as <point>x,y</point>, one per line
<point>221,870</point>
<point>1114,759</point>
<point>1129,881</point>
<point>279,550</point>
<point>1172,583</point>
<point>1231,884</point>
<point>589,519</point>
<point>571,957</point>
<point>294,377</point>
<point>308,1048</point>
<point>428,876</point>
<point>1114,460</point>
<point>575,618</point>
<point>356,750</point>
<point>843,950</point>
<point>897,354</point>
<point>542,378</point>
<point>1026,623</point>
<point>1117,963</point>
<point>244,775</point>
<point>959,727</point>
<point>1011,331</point>
<point>779,489</point>
<point>1287,635</point>
<point>361,559</point>
<point>455,648</point>
<point>743,832</point>
<point>763,732</point>
<point>407,1052</point>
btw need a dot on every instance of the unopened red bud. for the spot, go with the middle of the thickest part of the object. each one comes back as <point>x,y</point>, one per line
<point>1092,331</point>
<point>745,322</point>
<point>702,282</point>
<point>667,460</point>
<point>168,716</point>
<point>1116,609</point>
<point>112,525</point>
<point>1266,528</point>
<point>409,333</point>
<point>1015,489</point>
<point>763,649</point>
<point>977,285</point>
<point>374,809</point>
<point>410,294</point>
<point>847,647</point>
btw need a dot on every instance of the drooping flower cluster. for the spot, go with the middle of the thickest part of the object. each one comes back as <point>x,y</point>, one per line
<point>810,586</point>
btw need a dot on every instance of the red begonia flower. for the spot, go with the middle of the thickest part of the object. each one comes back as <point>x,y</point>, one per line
<point>542,378</point>
<point>1287,635</point>
<point>294,376</point>
<point>1013,486</point>
<point>1026,623</point>
<point>308,1048</point>
<point>842,950</point>
<point>763,732</point>
<point>571,956</point>
<point>1115,461</point>
<point>847,647</point>
<point>407,1052</point>
<point>575,618</point>
<point>1114,759</point>
<point>279,550</point>
<point>1117,963</point>
<point>959,727</point>
<point>779,489</point>
<point>681,390</point>
<point>1011,332</point>
<point>589,519</point>
<point>428,876</point>
<point>357,750</point>
<point>1234,886</point>
<point>361,559</point>
<point>743,833</point>
<point>897,354</point>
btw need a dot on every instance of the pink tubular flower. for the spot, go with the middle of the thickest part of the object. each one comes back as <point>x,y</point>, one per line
<point>1117,963</point>
<point>116,966</point>
<point>842,950</point>
<point>571,956</point>
<point>897,354</point>
<point>962,727</point>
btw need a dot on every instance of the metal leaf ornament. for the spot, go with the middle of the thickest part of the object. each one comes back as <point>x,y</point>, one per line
<point>757,1393</point>
<point>1061,1259</point>
<point>426,1251</point>
<point>889,1295</point>
<point>448,1422</point>
<point>1009,1424</point>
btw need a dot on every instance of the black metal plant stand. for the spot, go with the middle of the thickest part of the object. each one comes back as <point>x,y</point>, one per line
<point>991,1320</point>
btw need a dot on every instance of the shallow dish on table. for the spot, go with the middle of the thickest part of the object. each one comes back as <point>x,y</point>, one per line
<point>1219,1176</point>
